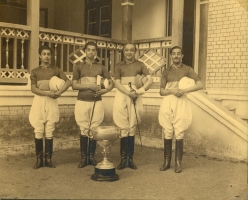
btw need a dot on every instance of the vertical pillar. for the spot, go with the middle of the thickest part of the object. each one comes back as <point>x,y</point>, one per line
<point>203,45</point>
<point>33,19</point>
<point>177,22</point>
<point>127,15</point>
<point>196,35</point>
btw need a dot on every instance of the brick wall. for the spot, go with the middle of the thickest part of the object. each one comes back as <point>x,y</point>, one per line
<point>227,60</point>
<point>15,128</point>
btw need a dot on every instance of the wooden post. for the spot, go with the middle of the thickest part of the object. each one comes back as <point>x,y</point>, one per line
<point>127,15</point>
<point>33,18</point>
<point>177,23</point>
<point>196,35</point>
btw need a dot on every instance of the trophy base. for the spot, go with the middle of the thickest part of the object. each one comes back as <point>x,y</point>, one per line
<point>104,175</point>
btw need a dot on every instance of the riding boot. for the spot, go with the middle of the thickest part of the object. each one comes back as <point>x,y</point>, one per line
<point>178,155</point>
<point>123,152</point>
<point>131,152</point>
<point>92,148</point>
<point>83,151</point>
<point>167,154</point>
<point>48,153</point>
<point>39,153</point>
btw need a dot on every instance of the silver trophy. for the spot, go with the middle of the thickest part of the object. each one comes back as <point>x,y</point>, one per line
<point>105,136</point>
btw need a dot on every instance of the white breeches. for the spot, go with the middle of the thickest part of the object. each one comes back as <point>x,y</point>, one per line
<point>83,114</point>
<point>43,115</point>
<point>124,113</point>
<point>175,115</point>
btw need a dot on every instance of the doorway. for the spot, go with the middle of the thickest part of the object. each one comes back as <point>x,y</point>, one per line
<point>188,32</point>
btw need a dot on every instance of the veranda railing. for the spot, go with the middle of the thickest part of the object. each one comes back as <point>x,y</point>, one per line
<point>67,50</point>
<point>14,41</point>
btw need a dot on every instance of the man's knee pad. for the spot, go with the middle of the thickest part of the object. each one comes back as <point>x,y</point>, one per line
<point>132,131</point>
<point>85,132</point>
<point>179,135</point>
<point>168,135</point>
<point>49,135</point>
<point>38,135</point>
<point>124,133</point>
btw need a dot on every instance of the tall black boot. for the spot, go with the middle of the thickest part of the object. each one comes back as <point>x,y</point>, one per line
<point>178,155</point>
<point>92,148</point>
<point>83,151</point>
<point>131,152</point>
<point>123,152</point>
<point>167,154</point>
<point>48,153</point>
<point>39,153</point>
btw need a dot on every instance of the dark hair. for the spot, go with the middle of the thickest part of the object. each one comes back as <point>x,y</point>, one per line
<point>45,48</point>
<point>176,47</point>
<point>90,43</point>
<point>129,43</point>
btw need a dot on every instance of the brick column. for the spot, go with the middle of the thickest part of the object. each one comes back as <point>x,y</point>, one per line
<point>127,15</point>
<point>177,22</point>
<point>33,18</point>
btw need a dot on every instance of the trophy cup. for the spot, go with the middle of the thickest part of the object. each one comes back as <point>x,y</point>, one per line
<point>105,136</point>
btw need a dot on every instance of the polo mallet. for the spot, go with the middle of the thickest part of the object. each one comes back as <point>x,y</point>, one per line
<point>92,113</point>
<point>134,104</point>
<point>88,142</point>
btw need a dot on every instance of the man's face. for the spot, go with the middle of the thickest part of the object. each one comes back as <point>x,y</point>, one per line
<point>129,52</point>
<point>90,52</point>
<point>45,56</point>
<point>177,56</point>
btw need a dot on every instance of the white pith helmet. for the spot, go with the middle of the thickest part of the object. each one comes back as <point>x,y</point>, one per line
<point>186,82</point>
<point>56,83</point>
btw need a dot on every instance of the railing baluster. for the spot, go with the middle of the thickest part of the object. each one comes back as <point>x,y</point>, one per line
<point>7,53</point>
<point>22,53</point>
<point>15,58</point>
<point>61,57</point>
<point>55,54</point>
<point>67,58</point>
<point>106,57</point>
<point>101,55</point>
<point>0,51</point>
<point>112,60</point>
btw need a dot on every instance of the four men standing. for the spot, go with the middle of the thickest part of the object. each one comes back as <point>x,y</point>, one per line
<point>174,115</point>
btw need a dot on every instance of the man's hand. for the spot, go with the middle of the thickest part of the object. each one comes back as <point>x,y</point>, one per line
<point>100,92</point>
<point>94,87</point>
<point>58,93</point>
<point>53,95</point>
<point>177,92</point>
<point>141,91</point>
<point>181,92</point>
<point>132,95</point>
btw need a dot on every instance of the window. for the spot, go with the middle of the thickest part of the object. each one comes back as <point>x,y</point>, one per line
<point>98,17</point>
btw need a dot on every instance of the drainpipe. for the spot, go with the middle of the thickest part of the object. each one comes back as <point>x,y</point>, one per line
<point>33,18</point>
<point>127,15</point>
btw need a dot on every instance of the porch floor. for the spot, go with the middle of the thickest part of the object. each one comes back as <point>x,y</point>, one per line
<point>201,178</point>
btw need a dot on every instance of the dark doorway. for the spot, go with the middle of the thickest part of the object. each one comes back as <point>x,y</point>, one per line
<point>188,32</point>
<point>98,17</point>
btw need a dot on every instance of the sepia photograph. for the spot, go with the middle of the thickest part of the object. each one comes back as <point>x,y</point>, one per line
<point>124,99</point>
